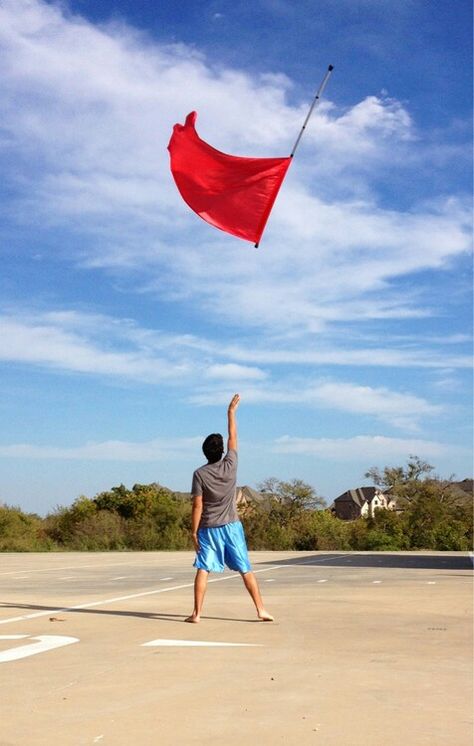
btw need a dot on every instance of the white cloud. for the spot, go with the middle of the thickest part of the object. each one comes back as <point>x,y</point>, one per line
<point>361,447</point>
<point>46,344</point>
<point>234,372</point>
<point>81,342</point>
<point>94,344</point>
<point>87,116</point>
<point>402,410</point>
<point>399,409</point>
<point>97,344</point>
<point>324,354</point>
<point>158,449</point>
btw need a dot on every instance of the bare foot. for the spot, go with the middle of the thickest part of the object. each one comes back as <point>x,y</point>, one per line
<point>264,616</point>
<point>193,619</point>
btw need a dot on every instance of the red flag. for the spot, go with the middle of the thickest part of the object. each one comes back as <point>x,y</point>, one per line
<point>232,193</point>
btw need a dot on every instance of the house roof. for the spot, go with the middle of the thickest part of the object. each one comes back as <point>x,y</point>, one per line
<point>248,493</point>
<point>466,485</point>
<point>359,496</point>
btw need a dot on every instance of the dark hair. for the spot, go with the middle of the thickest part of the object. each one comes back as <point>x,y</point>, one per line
<point>213,447</point>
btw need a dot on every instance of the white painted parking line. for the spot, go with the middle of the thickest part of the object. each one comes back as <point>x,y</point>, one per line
<point>64,567</point>
<point>106,601</point>
<point>45,643</point>
<point>166,578</point>
<point>198,644</point>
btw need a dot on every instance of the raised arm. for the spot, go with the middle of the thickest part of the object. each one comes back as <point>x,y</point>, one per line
<point>232,425</point>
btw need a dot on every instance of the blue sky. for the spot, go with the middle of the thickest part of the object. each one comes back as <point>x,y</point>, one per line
<point>127,323</point>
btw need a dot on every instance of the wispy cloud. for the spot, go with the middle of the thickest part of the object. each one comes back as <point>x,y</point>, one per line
<point>95,344</point>
<point>362,447</point>
<point>326,353</point>
<point>363,264</point>
<point>88,112</point>
<point>44,343</point>
<point>87,343</point>
<point>234,372</point>
<point>81,342</point>
<point>112,450</point>
<point>401,410</point>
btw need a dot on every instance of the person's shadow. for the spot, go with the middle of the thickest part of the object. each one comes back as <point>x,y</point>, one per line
<point>161,616</point>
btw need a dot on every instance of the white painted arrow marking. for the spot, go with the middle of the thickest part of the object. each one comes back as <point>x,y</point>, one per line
<point>12,637</point>
<point>45,642</point>
<point>198,644</point>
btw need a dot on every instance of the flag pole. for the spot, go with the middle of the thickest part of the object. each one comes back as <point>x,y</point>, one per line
<point>318,95</point>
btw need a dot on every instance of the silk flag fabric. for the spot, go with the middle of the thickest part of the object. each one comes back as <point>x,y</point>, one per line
<point>232,193</point>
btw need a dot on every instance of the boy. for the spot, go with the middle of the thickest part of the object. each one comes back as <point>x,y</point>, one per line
<point>217,532</point>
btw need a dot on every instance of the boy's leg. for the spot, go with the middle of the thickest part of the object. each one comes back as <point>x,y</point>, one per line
<point>236,557</point>
<point>250,582</point>
<point>200,585</point>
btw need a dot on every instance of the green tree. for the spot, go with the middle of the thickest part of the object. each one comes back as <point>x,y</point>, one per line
<point>148,517</point>
<point>22,532</point>
<point>295,494</point>
<point>435,513</point>
<point>101,531</point>
<point>386,530</point>
<point>61,525</point>
<point>438,519</point>
<point>329,532</point>
<point>396,477</point>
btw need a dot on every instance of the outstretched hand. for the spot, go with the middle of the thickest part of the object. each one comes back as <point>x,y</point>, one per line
<point>234,403</point>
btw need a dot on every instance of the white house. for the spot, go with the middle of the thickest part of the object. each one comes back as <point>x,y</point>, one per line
<point>362,501</point>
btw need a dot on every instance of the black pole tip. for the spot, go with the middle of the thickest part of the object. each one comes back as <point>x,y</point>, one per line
<point>331,67</point>
<point>256,245</point>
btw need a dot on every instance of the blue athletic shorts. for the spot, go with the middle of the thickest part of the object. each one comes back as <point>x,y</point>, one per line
<point>222,545</point>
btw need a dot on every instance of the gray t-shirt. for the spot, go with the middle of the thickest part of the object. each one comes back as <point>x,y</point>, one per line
<point>216,483</point>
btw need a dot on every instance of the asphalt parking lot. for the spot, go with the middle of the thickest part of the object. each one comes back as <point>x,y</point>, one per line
<point>366,649</point>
